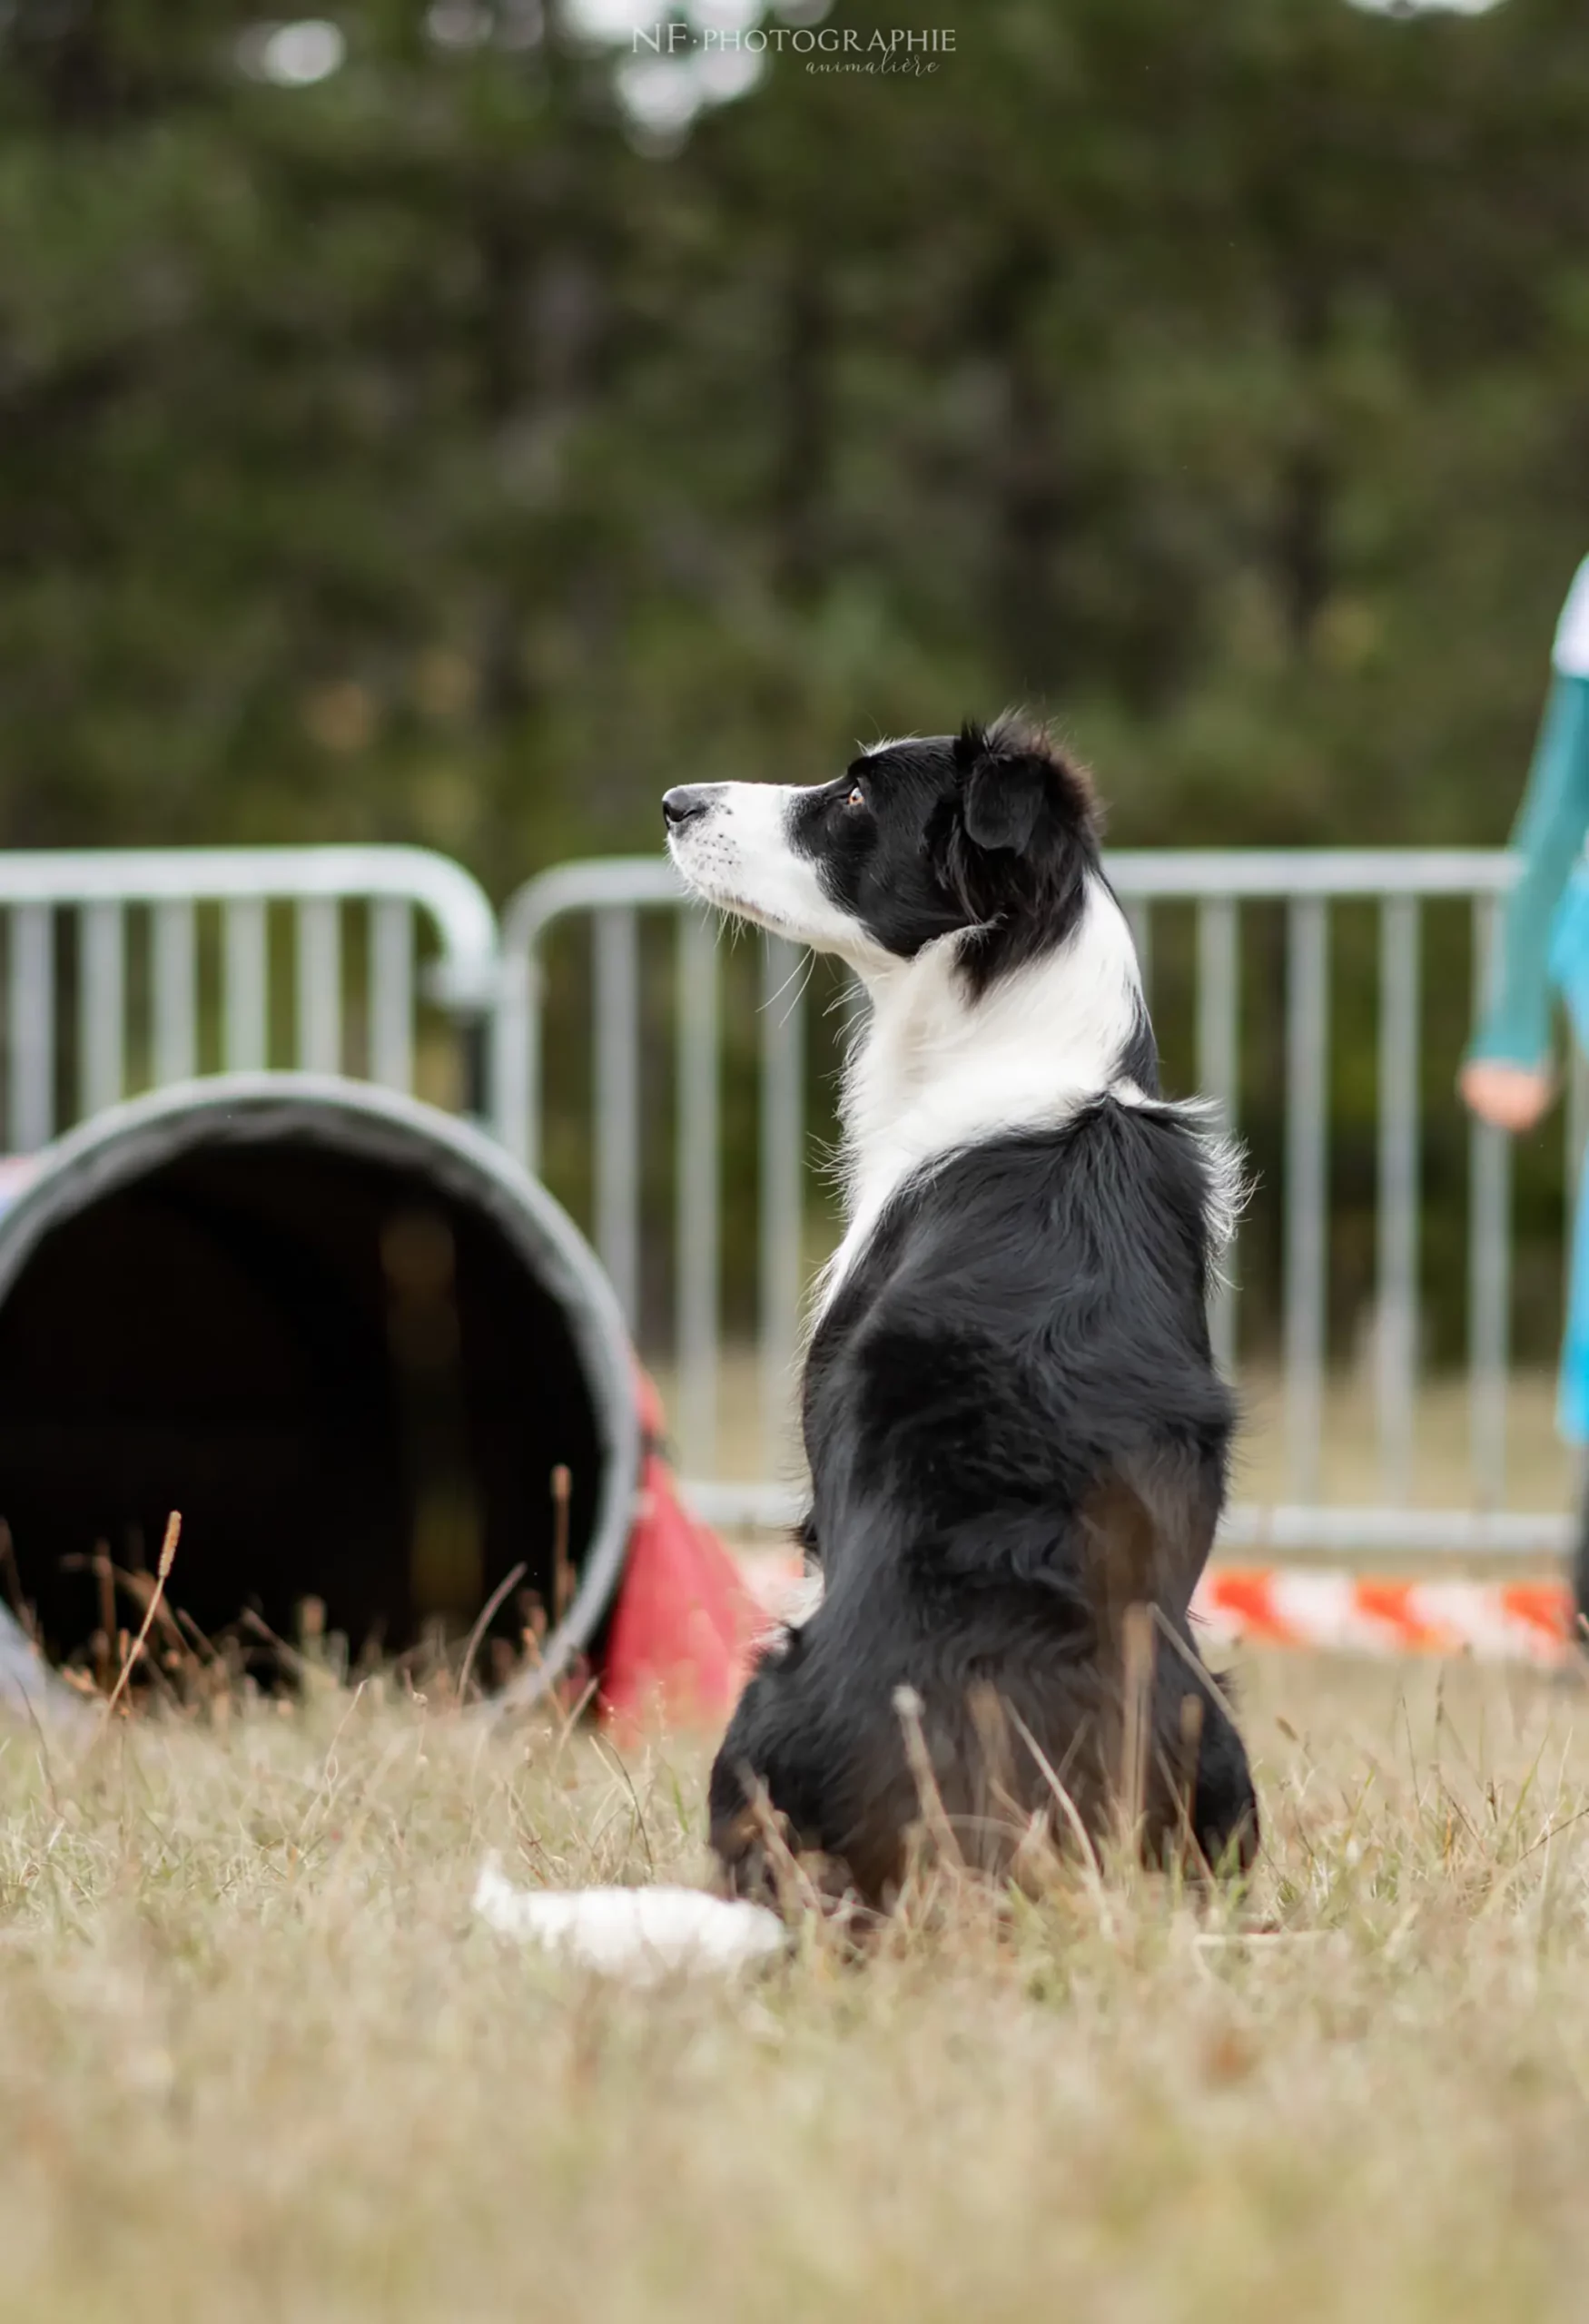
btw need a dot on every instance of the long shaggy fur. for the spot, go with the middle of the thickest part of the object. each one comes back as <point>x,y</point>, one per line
<point>1015,1428</point>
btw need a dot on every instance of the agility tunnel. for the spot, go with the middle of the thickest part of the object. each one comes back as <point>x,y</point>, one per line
<point>374,1366</point>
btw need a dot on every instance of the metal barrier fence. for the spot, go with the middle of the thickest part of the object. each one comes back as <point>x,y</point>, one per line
<point>1306,888</point>
<point>209,964</point>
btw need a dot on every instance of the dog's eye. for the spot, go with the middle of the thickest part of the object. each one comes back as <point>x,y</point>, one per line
<point>857,798</point>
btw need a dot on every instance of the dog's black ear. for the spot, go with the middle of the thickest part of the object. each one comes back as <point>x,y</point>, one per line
<point>1011,847</point>
<point>1015,786</point>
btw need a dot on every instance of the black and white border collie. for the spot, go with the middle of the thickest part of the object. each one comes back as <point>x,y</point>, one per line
<point>1015,1430</point>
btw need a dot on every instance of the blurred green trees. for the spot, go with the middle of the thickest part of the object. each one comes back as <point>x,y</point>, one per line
<point>414,454</point>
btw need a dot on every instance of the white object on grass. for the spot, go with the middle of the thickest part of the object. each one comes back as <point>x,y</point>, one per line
<point>639,1934</point>
<point>28,1687</point>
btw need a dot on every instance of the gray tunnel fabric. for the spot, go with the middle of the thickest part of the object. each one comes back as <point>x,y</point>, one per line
<point>345,1334</point>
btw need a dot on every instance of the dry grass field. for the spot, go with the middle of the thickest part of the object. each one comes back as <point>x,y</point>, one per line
<point>256,2061</point>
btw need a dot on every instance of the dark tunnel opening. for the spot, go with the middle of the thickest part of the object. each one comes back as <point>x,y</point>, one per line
<point>351,1356</point>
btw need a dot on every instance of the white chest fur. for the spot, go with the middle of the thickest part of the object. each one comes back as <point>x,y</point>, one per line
<point>934,1070</point>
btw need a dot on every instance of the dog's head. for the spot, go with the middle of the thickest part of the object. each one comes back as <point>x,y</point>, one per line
<point>988,833</point>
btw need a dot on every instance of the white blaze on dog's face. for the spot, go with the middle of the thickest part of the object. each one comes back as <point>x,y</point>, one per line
<point>989,833</point>
<point>736,844</point>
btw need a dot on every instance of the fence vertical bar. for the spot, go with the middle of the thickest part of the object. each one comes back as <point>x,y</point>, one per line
<point>320,985</point>
<point>31,1013</point>
<point>101,1005</point>
<point>1397,1336</point>
<point>245,943</point>
<point>614,935</point>
<point>782,1136</point>
<point>176,1014</point>
<point>1307,1085</point>
<point>698,1169</point>
<point>1488,1262</point>
<point>1219,1068</point>
<point>391,992</point>
<point>516,1051</point>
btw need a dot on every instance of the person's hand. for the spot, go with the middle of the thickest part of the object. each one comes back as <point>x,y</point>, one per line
<point>1508,1097</point>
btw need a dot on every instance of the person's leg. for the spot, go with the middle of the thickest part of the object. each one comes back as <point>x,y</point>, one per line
<point>1573,1399</point>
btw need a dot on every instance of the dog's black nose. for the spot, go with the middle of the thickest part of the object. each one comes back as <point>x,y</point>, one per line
<point>683,803</point>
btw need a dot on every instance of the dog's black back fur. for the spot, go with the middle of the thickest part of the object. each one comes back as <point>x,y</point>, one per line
<point>1016,1432</point>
